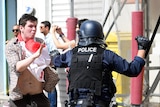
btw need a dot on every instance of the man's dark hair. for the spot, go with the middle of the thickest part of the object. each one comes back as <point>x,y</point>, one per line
<point>81,21</point>
<point>46,24</point>
<point>25,18</point>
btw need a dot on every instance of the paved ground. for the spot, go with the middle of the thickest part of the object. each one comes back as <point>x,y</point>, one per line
<point>3,100</point>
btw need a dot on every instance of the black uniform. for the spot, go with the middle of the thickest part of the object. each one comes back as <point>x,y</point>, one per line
<point>91,66</point>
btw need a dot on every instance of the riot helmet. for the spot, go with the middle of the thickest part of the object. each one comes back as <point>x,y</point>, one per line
<point>90,32</point>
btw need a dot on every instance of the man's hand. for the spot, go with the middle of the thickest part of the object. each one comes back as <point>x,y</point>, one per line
<point>142,42</point>
<point>39,51</point>
<point>57,29</point>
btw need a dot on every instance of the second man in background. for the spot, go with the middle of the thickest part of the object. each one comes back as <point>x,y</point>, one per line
<point>45,30</point>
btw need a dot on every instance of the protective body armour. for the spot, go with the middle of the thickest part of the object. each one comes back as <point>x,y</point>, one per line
<point>86,69</point>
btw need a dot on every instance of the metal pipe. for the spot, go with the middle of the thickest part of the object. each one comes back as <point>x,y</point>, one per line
<point>72,8</point>
<point>109,10</point>
<point>115,19</point>
<point>145,8</point>
<point>137,4</point>
<point>71,28</point>
<point>152,68</point>
<point>136,82</point>
<point>153,87</point>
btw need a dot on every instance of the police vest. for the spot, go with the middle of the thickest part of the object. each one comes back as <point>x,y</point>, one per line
<point>86,68</point>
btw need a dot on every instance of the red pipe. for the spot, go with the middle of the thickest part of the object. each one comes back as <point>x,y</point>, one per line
<point>136,82</point>
<point>71,28</point>
<point>71,35</point>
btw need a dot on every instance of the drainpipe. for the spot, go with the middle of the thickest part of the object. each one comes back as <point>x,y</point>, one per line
<point>71,23</point>
<point>136,82</point>
<point>71,28</point>
<point>71,8</point>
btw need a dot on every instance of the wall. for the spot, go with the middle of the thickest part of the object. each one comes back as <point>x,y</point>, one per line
<point>42,8</point>
<point>2,47</point>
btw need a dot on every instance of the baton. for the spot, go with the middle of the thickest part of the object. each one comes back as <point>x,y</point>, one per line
<point>152,37</point>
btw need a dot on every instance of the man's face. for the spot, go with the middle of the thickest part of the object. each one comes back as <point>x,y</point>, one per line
<point>42,28</point>
<point>15,30</point>
<point>29,30</point>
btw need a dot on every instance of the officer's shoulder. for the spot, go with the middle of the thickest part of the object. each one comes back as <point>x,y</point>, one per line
<point>108,51</point>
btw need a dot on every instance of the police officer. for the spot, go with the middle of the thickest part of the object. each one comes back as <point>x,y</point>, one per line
<point>91,66</point>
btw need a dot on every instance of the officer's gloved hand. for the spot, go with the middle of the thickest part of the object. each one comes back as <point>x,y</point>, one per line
<point>54,53</point>
<point>142,42</point>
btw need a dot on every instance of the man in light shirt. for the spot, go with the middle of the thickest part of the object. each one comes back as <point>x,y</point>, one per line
<point>45,30</point>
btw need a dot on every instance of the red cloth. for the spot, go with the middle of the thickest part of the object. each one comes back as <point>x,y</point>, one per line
<point>30,44</point>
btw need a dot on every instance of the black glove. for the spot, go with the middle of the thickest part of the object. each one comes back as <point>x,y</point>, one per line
<point>142,42</point>
<point>54,53</point>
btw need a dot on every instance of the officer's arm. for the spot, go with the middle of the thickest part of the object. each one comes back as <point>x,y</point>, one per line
<point>62,60</point>
<point>141,53</point>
